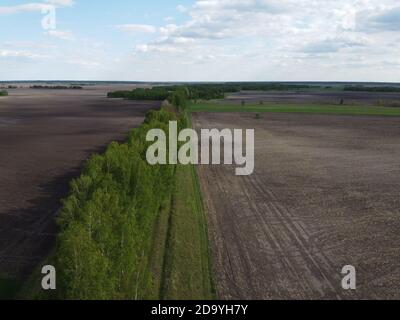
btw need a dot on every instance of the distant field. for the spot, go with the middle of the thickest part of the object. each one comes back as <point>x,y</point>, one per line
<point>292,108</point>
<point>332,96</point>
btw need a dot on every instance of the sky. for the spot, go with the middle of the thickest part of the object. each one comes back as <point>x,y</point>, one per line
<point>200,40</point>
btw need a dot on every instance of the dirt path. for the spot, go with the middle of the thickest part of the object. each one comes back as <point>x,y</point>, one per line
<point>324,194</point>
<point>45,136</point>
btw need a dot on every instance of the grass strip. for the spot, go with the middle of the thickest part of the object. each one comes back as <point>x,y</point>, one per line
<point>187,268</point>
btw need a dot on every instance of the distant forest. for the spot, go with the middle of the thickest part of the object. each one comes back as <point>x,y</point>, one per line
<point>218,91</point>
<point>201,91</point>
<point>56,87</point>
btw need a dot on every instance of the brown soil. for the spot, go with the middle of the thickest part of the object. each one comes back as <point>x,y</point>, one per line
<point>45,136</point>
<point>324,194</point>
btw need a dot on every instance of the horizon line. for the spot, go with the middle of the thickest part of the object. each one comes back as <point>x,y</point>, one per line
<point>200,81</point>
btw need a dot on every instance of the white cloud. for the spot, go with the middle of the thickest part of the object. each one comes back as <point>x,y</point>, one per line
<point>271,6</point>
<point>181,8</point>
<point>19,54</point>
<point>63,3</point>
<point>223,19</point>
<point>23,8</point>
<point>145,48</point>
<point>34,6</point>
<point>241,40</point>
<point>137,28</point>
<point>281,33</point>
<point>59,34</point>
<point>83,63</point>
<point>335,44</point>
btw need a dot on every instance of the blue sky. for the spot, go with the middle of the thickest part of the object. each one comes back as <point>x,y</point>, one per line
<point>201,40</point>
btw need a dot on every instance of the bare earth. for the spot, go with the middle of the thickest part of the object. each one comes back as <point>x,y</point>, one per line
<point>45,136</point>
<point>324,194</point>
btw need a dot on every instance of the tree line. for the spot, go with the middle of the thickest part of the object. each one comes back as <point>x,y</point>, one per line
<point>106,222</point>
<point>155,93</point>
<point>200,91</point>
<point>58,87</point>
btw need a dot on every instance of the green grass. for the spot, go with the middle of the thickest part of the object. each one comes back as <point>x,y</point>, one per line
<point>180,266</point>
<point>3,93</point>
<point>187,268</point>
<point>187,264</point>
<point>293,108</point>
<point>159,252</point>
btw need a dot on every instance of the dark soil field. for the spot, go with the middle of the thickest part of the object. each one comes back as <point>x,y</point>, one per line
<point>325,193</point>
<point>45,137</point>
<point>314,97</point>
